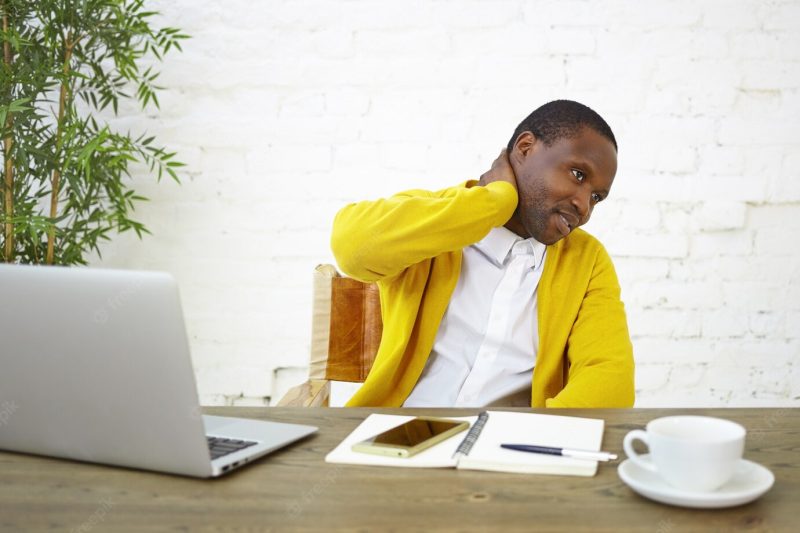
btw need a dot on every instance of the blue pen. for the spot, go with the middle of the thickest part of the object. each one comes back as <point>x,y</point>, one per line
<point>565,452</point>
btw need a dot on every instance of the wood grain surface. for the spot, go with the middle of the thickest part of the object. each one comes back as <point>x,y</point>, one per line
<point>294,489</point>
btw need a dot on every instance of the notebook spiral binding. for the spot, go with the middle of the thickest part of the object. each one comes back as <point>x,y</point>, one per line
<point>472,435</point>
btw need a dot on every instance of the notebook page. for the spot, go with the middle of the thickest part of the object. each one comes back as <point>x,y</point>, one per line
<point>529,428</point>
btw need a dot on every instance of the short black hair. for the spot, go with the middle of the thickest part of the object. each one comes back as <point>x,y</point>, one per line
<point>562,119</point>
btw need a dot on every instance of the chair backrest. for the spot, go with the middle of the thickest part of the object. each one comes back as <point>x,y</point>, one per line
<point>346,327</point>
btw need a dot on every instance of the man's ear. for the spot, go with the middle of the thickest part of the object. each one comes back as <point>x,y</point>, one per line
<point>522,147</point>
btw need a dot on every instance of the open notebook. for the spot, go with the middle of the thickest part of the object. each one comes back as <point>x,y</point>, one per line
<point>486,454</point>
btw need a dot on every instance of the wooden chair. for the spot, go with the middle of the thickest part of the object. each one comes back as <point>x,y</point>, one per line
<point>346,331</point>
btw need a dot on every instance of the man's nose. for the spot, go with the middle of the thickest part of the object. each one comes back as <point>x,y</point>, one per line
<point>582,201</point>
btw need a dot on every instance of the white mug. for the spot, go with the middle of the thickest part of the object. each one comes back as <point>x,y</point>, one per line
<point>693,453</point>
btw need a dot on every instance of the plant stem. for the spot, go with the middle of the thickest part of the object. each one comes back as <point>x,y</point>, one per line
<point>56,180</point>
<point>8,145</point>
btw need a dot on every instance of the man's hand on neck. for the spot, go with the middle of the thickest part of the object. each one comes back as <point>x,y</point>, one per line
<point>501,171</point>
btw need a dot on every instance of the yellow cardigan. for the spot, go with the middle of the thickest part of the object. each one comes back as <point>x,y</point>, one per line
<point>411,245</point>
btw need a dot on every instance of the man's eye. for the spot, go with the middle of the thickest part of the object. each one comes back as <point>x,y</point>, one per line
<point>596,198</point>
<point>579,175</point>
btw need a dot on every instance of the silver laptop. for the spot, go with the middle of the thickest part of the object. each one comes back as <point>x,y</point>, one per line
<point>95,366</point>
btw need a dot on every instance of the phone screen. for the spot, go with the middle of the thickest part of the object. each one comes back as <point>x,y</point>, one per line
<point>414,432</point>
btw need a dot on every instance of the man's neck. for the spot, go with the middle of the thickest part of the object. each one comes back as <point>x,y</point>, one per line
<point>515,225</point>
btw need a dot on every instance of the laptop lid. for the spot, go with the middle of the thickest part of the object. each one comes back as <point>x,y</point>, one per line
<point>95,366</point>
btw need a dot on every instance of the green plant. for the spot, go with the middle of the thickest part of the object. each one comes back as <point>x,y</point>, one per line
<point>65,174</point>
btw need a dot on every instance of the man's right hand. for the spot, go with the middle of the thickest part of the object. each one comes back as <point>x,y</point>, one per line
<point>501,171</point>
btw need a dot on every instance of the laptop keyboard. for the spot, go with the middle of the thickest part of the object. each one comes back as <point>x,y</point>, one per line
<point>220,446</point>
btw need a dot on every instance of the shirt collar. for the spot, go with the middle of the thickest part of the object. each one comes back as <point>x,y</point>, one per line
<point>498,244</point>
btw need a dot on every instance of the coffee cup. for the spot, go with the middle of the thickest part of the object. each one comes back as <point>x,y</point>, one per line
<point>692,453</point>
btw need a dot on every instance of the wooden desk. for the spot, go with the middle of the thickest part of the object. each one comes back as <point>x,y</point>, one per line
<point>294,489</point>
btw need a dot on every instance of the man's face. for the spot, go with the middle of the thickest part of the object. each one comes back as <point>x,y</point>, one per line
<point>559,185</point>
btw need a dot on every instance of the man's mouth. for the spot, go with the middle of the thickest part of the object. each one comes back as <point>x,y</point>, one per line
<point>563,226</point>
<point>566,223</point>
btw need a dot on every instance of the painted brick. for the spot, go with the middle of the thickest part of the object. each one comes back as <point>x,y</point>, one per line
<point>718,15</point>
<point>759,45</point>
<point>638,167</point>
<point>404,156</point>
<point>679,219</point>
<point>783,16</point>
<point>286,111</point>
<point>643,269</point>
<point>677,159</point>
<point>346,101</point>
<point>648,245</point>
<point>740,131</point>
<point>761,295</point>
<point>652,351</point>
<point>679,295</point>
<point>473,14</point>
<point>565,13</point>
<point>776,242</point>
<point>717,160</point>
<point>668,42</point>
<point>755,352</point>
<point>570,41</point>
<point>670,14</point>
<point>732,381</point>
<point>768,75</point>
<point>720,216</point>
<point>302,104</point>
<point>741,188</point>
<point>664,323</point>
<point>582,72</point>
<point>688,377</point>
<point>387,43</point>
<point>332,43</point>
<point>691,76</point>
<point>651,377</point>
<point>231,381</point>
<point>515,40</point>
<point>678,101</point>
<point>612,213</point>
<point>784,187</point>
<point>724,323</point>
<point>776,217</point>
<point>731,243</point>
<point>793,323</point>
<point>320,14</point>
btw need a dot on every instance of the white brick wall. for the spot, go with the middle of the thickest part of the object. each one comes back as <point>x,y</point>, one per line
<point>286,110</point>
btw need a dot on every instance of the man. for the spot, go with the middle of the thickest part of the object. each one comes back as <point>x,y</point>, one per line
<point>490,294</point>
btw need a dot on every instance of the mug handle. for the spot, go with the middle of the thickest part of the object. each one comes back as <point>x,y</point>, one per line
<point>627,444</point>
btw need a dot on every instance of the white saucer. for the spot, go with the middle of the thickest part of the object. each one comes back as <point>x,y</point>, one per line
<point>750,481</point>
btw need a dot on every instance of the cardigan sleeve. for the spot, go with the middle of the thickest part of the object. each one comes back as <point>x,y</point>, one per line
<point>373,240</point>
<point>599,349</point>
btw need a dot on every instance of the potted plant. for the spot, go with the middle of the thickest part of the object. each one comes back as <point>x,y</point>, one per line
<point>65,173</point>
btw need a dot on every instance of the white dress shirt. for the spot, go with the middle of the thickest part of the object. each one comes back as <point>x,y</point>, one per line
<point>485,349</point>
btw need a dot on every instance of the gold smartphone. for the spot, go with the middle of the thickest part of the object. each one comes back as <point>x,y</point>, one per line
<point>411,437</point>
